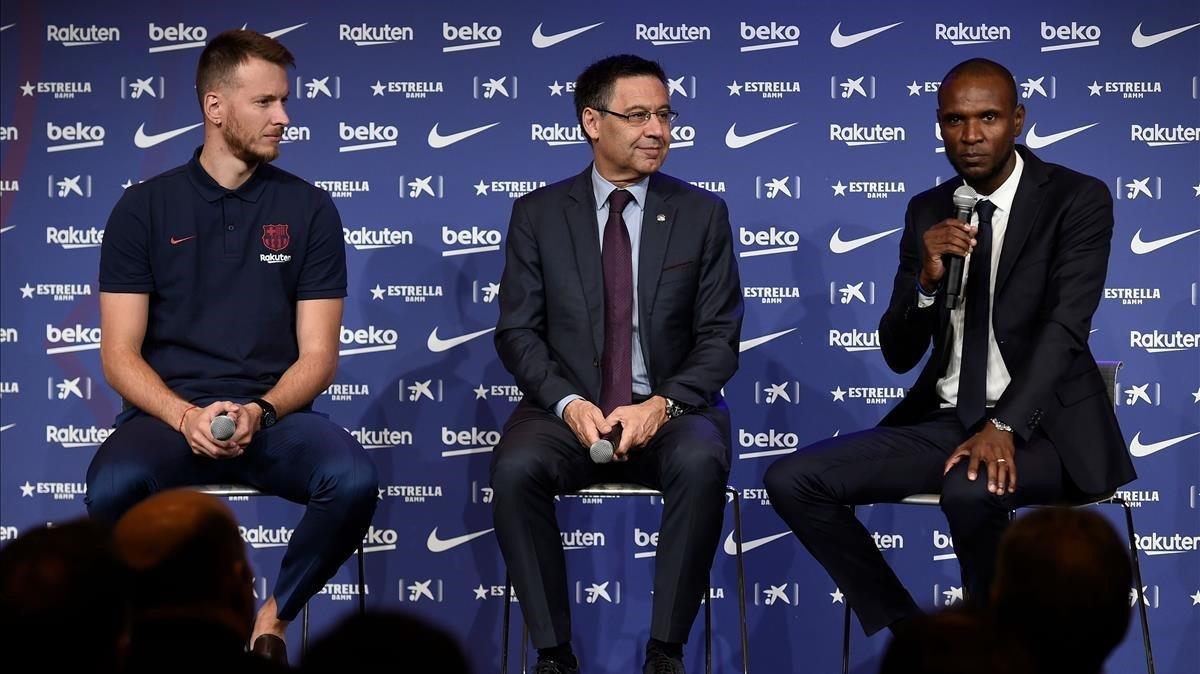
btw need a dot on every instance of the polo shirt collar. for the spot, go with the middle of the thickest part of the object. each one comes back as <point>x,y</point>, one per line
<point>208,188</point>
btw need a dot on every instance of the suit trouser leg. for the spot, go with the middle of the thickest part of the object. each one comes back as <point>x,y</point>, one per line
<point>812,488</point>
<point>536,459</point>
<point>305,458</point>
<point>688,460</point>
<point>979,518</point>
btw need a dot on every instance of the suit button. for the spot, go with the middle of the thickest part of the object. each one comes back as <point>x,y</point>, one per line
<point>595,362</point>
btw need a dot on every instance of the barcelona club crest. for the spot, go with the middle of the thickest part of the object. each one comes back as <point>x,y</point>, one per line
<point>275,237</point>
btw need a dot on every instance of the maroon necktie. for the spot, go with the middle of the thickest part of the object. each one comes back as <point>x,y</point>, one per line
<point>616,365</point>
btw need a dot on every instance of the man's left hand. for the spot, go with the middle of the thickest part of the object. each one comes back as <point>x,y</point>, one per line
<point>993,447</point>
<point>639,423</point>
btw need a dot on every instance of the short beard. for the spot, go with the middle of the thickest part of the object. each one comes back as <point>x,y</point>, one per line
<point>241,149</point>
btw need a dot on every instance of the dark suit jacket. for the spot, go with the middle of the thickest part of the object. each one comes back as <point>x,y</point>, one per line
<point>550,335</point>
<point>1049,281</point>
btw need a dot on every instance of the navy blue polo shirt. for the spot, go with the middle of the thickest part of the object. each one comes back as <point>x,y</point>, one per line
<point>224,270</point>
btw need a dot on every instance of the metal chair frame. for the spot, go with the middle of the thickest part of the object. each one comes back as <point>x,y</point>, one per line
<point>624,489</point>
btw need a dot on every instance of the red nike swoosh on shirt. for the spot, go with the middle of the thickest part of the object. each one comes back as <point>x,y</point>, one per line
<point>176,242</point>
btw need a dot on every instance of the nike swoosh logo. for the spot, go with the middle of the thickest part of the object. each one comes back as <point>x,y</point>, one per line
<point>144,140</point>
<point>1137,449</point>
<point>5,427</point>
<point>734,141</point>
<point>285,31</point>
<point>838,40</point>
<point>747,546</point>
<point>1140,247</point>
<point>1142,41</point>
<point>176,242</point>
<point>5,229</point>
<point>1035,141</point>
<point>837,245</point>
<point>542,41</point>
<point>436,544</point>
<point>437,140</point>
<point>438,345</point>
<point>759,341</point>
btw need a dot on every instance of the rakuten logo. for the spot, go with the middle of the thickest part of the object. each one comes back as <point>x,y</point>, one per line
<point>770,36</point>
<point>72,436</point>
<point>370,137</point>
<point>557,135</point>
<point>770,443</point>
<point>854,340</point>
<point>473,36</point>
<point>473,240</point>
<point>368,340</point>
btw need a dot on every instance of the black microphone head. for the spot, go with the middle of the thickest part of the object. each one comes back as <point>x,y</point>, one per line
<point>222,427</point>
<point>965,198</point>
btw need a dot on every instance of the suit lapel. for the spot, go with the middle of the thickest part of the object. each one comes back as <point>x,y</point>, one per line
<point>580,214</point>
<point>1026,205</point>
<point>658,217</point>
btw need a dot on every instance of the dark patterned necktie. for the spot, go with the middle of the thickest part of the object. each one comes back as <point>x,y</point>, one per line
<point>972,375</point>
<point>616,365</point>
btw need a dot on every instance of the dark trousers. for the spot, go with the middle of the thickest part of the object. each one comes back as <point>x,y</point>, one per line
<point>539,457</point>
<point>811,489</point>
<point>305,458</point>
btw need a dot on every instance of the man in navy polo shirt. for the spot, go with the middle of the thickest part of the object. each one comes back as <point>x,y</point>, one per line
<point>221,290</point>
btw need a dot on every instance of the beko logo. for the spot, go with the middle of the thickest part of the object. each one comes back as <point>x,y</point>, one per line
<point>771,241</point>
<point>77,136</point>
<point>179,36</point>
<point>1071,36</point>
<point>76,338</point>
<point>368,340</point>
<point>473,36</point>
<point>372,136</point>
<point>769,36</point>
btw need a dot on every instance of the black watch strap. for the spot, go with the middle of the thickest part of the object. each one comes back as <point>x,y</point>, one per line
<point>268,416</point>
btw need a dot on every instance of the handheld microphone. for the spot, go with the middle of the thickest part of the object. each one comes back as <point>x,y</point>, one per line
<point>964,202</point>
<point>602,449</point>
<point>222,427</point>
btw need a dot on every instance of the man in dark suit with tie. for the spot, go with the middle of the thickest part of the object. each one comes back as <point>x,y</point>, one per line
<point>1015,384</point>
<point>620,304</point>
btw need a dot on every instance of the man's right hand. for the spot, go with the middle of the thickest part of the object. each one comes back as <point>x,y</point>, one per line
<point>586,421</point>
<point>948,237</point>
<point>197,430</point>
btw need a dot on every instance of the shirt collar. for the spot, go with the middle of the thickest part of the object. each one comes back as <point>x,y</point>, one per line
<point>1004,195</point>
<point>602,188</point>
<point>211,190</point>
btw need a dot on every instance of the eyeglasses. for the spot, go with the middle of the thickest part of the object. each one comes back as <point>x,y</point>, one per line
<point>641,118</point>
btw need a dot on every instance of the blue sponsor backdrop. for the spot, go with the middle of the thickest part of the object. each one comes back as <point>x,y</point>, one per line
<point>815,123</point>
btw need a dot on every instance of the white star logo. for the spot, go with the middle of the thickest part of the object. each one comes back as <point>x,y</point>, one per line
<point>1196,396</point>
<point>735,89</point>
<point>1094,88</point>
<point>839,189</point>
<point>377,88</point>
<point>27,489</point>
<point>377,292</point>
<point>480,592</point>
<point>1197,188</point>
<point>1196,598</point>
<point>26,89</point>
<point>481,189</point>
<point>481,392</point>
<point>914,89</point>
<point>26,291</point>
<point>838,597</point>
<point>125,185</point>
<point>839,394</point>
<point>556,89</point>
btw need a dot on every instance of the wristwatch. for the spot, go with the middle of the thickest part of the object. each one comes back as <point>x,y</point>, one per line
<point>268,412</point>
<point>1000,425</point>
<point>674,409</point>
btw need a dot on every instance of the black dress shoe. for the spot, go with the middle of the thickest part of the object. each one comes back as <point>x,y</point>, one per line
<point>270,647</point>
<point>549,666</point>
<point>658,662</point>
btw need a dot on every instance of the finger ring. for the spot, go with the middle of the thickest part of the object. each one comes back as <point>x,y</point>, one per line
<point>1001,460</point>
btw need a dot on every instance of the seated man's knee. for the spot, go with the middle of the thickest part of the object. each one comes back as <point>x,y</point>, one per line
<point>516,467</point>
<point>961,495</point>
<point>790,478</point>
<point>114,487</point>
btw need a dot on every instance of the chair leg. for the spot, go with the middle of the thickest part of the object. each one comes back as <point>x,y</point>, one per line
<point>304,631</point>
<point>741,579</point>
<point>1137,581</point>
<point>504,625</point>
<point>707,631</point>
<point>846,631</point>
<point>362,586</point>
